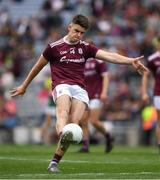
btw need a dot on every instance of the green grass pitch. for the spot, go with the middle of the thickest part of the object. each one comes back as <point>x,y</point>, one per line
<point>31,162</point>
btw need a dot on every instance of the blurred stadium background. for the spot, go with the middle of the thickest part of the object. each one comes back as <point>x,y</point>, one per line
<point>129,27</point>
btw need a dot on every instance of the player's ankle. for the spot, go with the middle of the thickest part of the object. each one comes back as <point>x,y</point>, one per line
<point>85,142</point>
<point>56,159</point>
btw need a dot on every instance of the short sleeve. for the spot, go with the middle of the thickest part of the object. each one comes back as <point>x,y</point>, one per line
<point>102,66</point>
<point>91,51</point>
<point>47,53</point>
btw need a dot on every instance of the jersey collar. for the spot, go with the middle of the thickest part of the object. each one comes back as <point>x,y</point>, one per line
<point>65,40</point>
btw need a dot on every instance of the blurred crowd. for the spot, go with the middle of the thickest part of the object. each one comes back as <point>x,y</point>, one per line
<point>128,27</point>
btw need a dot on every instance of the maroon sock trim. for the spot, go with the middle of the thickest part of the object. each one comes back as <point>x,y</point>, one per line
<point>56,158</point>
<point>85,143</point>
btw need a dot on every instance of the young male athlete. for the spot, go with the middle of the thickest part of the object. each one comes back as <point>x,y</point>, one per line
<point>153,64</point>
<point>67,58</point>
<point>97,82</point>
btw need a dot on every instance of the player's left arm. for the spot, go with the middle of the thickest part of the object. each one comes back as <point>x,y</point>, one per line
<point>105,85</point>
<point>145,96</point>
<point>119,59</point>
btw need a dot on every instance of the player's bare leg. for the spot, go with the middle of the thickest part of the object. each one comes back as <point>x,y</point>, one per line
<point>44,130</point>
<point>77,110</point>
<point>84,125</point>
<point>95,120</point>
<point>67,111</point>
<point>63,104</point>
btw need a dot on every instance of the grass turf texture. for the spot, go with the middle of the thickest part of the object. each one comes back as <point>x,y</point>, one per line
<point>31,162</point>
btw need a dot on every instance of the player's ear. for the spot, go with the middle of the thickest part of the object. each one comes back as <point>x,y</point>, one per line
<point>69,26</point>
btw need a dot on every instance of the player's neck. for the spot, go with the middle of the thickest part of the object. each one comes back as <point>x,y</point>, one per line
<point>68,40</point>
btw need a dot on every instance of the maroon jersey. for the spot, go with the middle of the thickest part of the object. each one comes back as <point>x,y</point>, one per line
<point>153,64</point>
<point>67,61</point>
<point>94,70</point>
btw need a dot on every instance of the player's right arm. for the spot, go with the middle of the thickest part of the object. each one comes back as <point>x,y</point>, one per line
<point>20,90</point>
<point>119,59</point>
<point>145,96</point>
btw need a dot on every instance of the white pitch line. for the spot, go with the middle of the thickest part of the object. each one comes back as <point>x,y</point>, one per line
<point>67,161</point>
<point>20,159</point>
<point>93,174</point>
<point>71,161</point>
<point>73,174</point>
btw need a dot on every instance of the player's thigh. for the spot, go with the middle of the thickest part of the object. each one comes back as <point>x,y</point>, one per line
<point>77,110</point>
<point>63,104</point>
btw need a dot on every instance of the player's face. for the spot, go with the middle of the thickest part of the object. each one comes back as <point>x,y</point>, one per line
<point>76,32</point>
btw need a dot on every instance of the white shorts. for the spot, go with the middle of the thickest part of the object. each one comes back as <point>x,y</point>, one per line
<point>73,91</point>
<point>95,103</point>
<point>156,101</point>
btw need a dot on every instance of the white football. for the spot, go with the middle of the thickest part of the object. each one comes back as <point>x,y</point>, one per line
<point>76,131</point>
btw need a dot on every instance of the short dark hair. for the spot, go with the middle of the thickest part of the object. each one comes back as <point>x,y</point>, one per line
<point>81,20</point>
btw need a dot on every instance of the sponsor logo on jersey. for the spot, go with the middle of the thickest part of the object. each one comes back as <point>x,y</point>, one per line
<point>65,59</point>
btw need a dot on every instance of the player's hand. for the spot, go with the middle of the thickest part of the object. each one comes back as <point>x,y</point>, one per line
<point>139,66</point>
<point>20,90</point>
<point>103,97</point>
<point>145,98</point>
